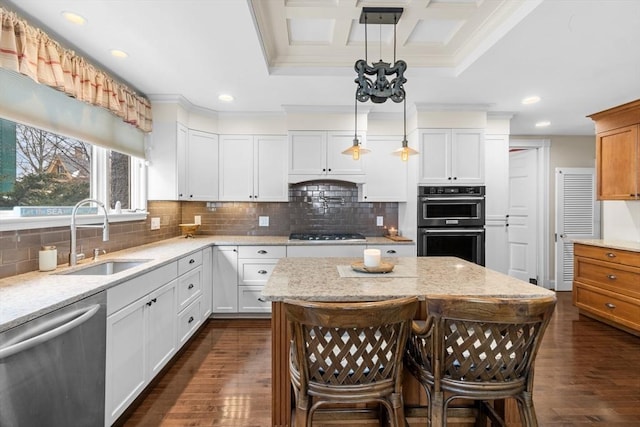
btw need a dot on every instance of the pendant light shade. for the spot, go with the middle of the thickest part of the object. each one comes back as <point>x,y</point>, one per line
<point>356,150</point>
<point>405,151</point>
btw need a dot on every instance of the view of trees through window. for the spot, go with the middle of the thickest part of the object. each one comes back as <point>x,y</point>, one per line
<point>40,168</point>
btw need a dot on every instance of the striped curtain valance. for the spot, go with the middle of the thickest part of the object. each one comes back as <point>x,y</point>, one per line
<point>29,51</point>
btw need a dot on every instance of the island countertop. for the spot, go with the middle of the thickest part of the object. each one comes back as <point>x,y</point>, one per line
<point>330,279</point>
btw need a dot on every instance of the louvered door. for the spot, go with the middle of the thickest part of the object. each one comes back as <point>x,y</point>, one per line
<point>577,217</point>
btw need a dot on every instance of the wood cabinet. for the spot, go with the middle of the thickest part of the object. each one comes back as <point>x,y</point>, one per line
<point>253,168</point>
<point>318,155</point>
<point>618,152</point>
<point>141,335</point>
<point>451,156</point>
<point>385,174</point>
<point>183,163</point>
<point>606,285</point>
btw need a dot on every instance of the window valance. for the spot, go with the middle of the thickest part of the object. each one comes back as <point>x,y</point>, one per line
<point>29,51</point>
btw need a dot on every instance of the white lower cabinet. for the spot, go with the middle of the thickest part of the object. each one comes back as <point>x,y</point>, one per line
<point>225,279</point>
<point>141,337</point>
<point>325,250</point>
<point>255,265</point>
<point>395,250</point>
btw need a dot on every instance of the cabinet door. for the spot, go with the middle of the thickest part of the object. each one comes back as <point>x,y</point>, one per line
<point>201,166</point>
<point>467,156</point>
<point>435,156</point>
<point>165,181</point>
<point>338,163</point>
<point>236,168</point>
<point>270,169</point>
<point>126,360</point>
<point>181,158</point>
<point>385,173</point>
<point>225,280</point>
<point>161,327</point>
<point>617,168</point>
<point>207,281</point>
<point>307,153</point>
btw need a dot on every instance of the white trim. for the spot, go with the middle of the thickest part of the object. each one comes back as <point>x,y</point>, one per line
<point>17,223</point>
<point>542,147</point>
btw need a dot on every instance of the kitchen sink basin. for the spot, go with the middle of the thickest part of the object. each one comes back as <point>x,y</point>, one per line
<point>105,268</point>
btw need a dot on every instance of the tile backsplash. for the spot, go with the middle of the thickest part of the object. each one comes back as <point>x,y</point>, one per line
<point>318,206</point>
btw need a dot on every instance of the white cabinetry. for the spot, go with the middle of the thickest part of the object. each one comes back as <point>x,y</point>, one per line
<point>253,168</point>
<point>497,202</point>
<point>385,173</point>
<point>451,156</point>
<point>255,265</point>
<point>183,163</point>
<point>225,279</point>
<point>391,251</point>
<point>318,154</point>
<point>190,283</point>
<point>207,281</point>
<point>141,335</point>
<point>326,250</point>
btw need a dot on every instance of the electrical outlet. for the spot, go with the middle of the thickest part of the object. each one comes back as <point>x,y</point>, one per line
<point>263,221</point>
<point>379,221</point>
<point>197,219</point>
<point>155,223</point>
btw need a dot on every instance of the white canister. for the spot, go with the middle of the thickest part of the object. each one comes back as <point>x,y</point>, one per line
<point>48,258</point>
<point>371,257</point>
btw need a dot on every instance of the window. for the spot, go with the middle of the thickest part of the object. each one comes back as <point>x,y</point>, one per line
<point>44,169</point>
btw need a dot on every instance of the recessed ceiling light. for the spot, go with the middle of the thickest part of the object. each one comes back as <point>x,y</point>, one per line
<point>543,124</point>
<point>74,18</point>
<point>531,100</point>
<point>119,53</point>
<point>225,97</point>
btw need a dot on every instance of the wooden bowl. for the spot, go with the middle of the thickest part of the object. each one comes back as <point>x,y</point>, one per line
<point>188,230</point>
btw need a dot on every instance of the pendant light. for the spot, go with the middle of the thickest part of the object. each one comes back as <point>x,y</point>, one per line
<point>405,151</point>
<point>355,150</point>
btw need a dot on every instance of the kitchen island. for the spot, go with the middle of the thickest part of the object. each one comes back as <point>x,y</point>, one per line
<point>332,279</point>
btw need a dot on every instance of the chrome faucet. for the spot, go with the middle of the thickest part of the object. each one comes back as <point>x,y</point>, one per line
<point>73,255</point>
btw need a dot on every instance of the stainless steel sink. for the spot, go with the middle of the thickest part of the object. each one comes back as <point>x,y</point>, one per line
<point>105,268</point>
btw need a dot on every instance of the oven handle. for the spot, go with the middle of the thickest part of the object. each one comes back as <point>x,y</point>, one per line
<point>452,230</point>
<point>452,198</point>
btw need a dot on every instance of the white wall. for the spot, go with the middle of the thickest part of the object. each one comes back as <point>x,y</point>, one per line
<point>621,220</point>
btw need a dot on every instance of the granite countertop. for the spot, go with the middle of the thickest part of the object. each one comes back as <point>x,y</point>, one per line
<point>625,245</point>
<point>325,279</point>
<point>30,295</point>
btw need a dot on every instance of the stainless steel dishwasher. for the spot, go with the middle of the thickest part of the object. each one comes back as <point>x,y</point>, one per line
<point>52,368</point>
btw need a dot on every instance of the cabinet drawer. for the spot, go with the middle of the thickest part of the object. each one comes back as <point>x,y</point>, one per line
<point>608,305</point>
<point>189,287</point>
<point>189,262</point>
<point>615,277</point>
<point>188,321</point>
<point>617,256</point>
<point>257,252</point>
<point>248,301</point>
<point>394,250</point>
<point>252,272</point>
<point>325,250</point>
<point>125,293</point>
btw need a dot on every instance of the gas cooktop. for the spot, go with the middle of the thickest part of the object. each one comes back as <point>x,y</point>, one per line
<point>326,237</point>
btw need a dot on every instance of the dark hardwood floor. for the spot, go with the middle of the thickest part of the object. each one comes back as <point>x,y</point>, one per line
<point>587,373</point>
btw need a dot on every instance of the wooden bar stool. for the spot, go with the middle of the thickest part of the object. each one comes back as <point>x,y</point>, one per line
<point>348,353</point>
<point>478,349</point>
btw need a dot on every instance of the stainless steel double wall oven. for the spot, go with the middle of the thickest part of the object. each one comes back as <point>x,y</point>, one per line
<point>451,222</point>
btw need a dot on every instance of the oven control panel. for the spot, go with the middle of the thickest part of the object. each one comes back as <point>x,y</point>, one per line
<point>451,191</point>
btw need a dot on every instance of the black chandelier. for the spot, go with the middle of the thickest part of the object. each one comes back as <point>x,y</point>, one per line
<point>381,80</point>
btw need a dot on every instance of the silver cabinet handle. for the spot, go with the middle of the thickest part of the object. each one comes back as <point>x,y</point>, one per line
<point>190,286</point>
<point>610,305</point>
<point>262,271</point>
<point>611,276</point>
<point>262,252</point>
<point>611,255</point>
<point>83,316</point>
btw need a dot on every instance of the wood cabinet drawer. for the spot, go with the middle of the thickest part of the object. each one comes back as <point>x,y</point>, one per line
<point>615,277</point>
<point>249,300</point>
<point>608,305</point>
<point>189,262</point>
<point>189,287</point>
<point>253,272</point>
<point>188,321</point>
<point>265,251</point>
<point>617,256</point>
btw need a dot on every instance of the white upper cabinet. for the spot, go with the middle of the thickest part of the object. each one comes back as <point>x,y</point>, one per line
<point>318,154</point>
<point>183,163</point>
<point>451,156</point>
<point>385,173</point>
<point>253,168</point>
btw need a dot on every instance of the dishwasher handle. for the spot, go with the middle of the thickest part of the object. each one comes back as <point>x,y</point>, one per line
<point>26,343</point>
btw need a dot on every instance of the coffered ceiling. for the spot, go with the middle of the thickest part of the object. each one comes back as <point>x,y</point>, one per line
<point>578,56</point>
